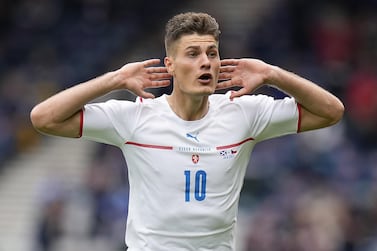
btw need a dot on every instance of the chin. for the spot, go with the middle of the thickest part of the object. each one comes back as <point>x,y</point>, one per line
<point>206,91</point>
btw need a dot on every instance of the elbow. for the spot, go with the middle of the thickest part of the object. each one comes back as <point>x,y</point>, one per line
<point>330,115</point>
<point>337,112</point>
<point>39,120</point>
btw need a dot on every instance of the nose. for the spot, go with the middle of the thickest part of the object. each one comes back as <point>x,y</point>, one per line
<point>205,62</point>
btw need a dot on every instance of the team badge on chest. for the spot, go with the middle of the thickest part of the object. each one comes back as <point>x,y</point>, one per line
<point>195,158</point>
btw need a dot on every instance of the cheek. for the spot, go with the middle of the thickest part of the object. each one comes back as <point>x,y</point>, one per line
<point>184,69</point>
<point>217,63</point>
<point>216,69</point>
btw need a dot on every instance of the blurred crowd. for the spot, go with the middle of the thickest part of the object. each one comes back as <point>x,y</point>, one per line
<point>49,45</point>
<point>316,191</point>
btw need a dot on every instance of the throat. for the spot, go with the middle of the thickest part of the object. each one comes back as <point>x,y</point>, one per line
<point>189,110</point>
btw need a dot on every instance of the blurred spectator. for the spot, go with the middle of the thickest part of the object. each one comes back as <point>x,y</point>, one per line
<point>50,229</point>
<point>361,100</point>
<point>320,220</point>
<point>333,35</point>
<point>52,199</point>
<point>48,45</point>
<point>108,188</point>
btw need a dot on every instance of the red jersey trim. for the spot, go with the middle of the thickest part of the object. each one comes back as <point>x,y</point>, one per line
<point>149,146</point>
<point>299,117</point>
<point>81,122</point>
<point>172,148</point>
<point>234,145</point>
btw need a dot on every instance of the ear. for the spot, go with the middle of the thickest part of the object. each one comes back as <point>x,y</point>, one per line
<point>169,64</point>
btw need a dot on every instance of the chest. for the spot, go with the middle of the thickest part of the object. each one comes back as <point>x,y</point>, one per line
<point>214,147</point>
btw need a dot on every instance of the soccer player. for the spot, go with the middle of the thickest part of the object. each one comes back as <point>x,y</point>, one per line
<point>187,152</point>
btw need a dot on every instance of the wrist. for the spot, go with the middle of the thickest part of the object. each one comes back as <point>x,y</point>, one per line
<point>115,80</point>
<point>272,75</point>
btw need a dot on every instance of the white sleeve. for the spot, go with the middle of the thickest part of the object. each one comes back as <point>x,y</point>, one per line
<point>110,122</point>
<point>271,117</point>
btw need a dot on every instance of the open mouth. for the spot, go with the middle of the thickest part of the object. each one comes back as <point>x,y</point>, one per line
<point>206,77</point>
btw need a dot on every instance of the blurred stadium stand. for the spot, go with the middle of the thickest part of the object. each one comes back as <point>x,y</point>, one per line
<point>314,191</point>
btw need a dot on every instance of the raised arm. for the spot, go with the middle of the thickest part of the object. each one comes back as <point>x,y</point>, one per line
<point>60,114</point>
<point>319,108</point>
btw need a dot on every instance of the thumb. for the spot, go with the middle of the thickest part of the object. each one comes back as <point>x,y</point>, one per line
<point>239,93</point>
<point>145,94</point>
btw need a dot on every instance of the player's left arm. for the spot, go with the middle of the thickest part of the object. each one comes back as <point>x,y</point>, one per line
<point>319,108</point>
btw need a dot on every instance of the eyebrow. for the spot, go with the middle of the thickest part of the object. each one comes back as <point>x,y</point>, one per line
<point>196,47</point>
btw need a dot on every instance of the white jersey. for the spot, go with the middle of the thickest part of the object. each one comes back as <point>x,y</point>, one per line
<point>186,176</point>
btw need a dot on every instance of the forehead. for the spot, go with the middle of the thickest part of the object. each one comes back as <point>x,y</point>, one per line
<point>195,40</point>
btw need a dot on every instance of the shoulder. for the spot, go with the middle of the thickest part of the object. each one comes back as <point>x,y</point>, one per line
<point>114,107</point>
<point>138,103</point>
<point>246,100</point>
<point>150,101</point>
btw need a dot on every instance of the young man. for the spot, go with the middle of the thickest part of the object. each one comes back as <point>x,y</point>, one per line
<point>187,152</point>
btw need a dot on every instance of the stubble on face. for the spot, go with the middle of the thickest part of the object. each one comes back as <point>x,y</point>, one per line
<point>194,63</point>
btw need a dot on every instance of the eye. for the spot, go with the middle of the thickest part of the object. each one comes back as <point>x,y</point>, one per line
<point>212,54</point>
<point>192,53</point>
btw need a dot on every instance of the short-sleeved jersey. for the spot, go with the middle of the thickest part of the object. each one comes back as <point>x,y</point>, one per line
<point>186,176</point>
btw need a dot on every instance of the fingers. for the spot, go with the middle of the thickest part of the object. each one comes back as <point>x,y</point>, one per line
<point>226,72</point>
<point>159,83</point>
<point>228,65</point>
<point>225,76</point>
<point>226,62</point>
<point>228,83</point>
<point>228,69</point>
<point>151,62</point>
<point>239,93</point>
<point>145,94</point>
<point>159,69</point>
<point>159,76</point>
<point>156,73</point>
<point>223,85</point>
<point>152,84</point>
<point>228,75</point>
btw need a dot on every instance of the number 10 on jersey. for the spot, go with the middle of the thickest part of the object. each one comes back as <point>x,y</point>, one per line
<point>196,180</point>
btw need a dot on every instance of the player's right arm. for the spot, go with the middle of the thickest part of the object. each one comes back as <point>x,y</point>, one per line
<point>60,115</point>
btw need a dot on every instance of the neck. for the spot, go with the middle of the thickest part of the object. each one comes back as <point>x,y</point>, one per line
<point>189,109</point>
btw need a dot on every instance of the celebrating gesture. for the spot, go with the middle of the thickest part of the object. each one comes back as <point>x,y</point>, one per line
<point>187,151</point>
<point>136,77</point>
